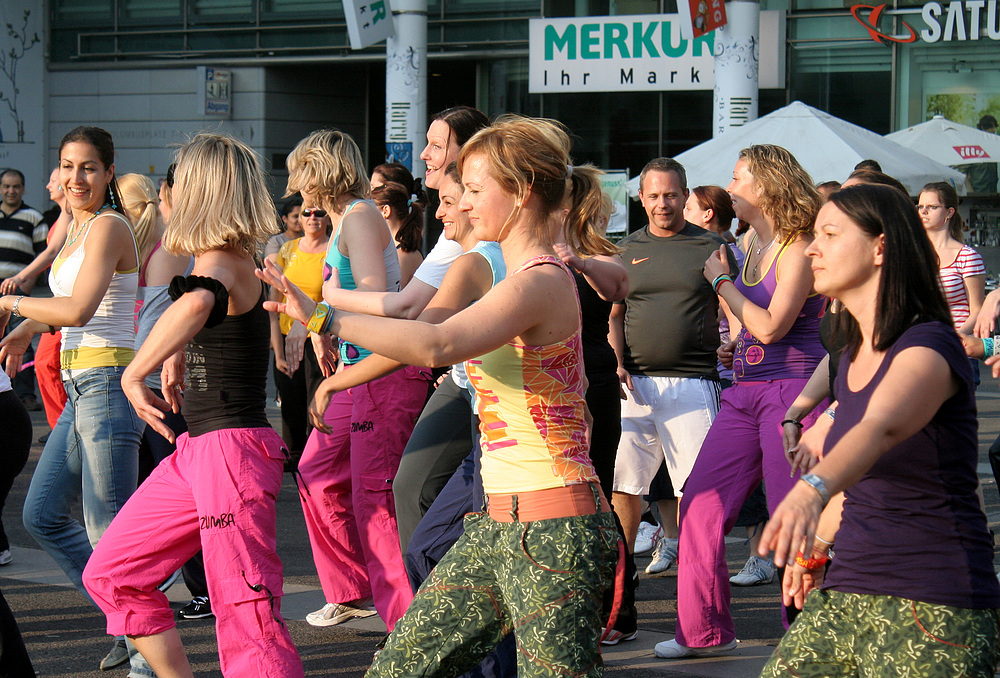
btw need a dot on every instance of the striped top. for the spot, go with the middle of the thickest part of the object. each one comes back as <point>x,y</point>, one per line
<point>968,263</point>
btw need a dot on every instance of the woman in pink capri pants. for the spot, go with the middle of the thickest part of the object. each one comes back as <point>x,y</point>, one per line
<point>217,491</point>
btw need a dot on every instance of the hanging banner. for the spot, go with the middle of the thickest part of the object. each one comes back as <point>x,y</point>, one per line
<point>613,182</point>
<point>700,17</point>
<point>368,21</point>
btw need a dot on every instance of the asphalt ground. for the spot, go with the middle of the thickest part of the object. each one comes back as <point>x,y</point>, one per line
<point>65,635</point>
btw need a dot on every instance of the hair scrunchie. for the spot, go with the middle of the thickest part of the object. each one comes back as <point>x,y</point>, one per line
<point>180,285</point>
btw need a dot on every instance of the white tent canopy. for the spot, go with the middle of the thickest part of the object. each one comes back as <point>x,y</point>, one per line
<point>826,146</point>
<point>949,143</point>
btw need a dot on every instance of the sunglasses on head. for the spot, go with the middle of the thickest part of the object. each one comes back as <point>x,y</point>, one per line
<point>313,212</point>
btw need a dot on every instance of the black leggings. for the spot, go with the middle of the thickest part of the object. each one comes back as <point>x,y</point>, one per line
<point>15,425</point>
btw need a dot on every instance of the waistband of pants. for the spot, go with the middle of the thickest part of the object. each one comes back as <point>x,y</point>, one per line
<point>557,502</point>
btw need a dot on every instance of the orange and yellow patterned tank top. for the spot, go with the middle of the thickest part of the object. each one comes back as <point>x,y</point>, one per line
<point>530,401</point>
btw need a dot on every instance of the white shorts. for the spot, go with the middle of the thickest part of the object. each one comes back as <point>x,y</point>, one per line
<point>664,418</point>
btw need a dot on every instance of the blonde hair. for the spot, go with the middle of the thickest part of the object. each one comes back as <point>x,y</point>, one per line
<point>139,198</point>
<point>221,198</point>
<point>788,195</point>
<point>531,155</point>
<point>327,163</point>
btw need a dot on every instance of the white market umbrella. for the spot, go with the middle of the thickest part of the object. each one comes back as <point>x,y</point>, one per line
<point>826,146</point>
<point>949,142</point>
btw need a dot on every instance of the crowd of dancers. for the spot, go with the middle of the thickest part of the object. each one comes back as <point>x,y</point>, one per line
<point>472,432</point>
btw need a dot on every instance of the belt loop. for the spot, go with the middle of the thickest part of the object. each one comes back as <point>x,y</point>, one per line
<point>513,507</point>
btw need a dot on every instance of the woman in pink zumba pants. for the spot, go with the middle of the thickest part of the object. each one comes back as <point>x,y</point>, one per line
<point>217,491</point>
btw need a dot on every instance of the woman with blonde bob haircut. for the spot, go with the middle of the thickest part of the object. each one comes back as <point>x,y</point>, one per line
<point>539,559</point>
<point>217,491</point>
<point>348,464</point>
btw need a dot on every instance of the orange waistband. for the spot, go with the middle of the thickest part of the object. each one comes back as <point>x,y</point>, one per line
<point>557,502</point>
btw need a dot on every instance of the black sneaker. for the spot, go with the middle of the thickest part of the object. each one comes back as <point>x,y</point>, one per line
<point>198,608</point>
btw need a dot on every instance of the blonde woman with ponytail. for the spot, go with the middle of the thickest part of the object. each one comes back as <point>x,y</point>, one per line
<point>540,558</point>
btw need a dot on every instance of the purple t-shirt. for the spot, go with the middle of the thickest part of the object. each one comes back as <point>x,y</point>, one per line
<point>912,526</point>
<point>796,354</point>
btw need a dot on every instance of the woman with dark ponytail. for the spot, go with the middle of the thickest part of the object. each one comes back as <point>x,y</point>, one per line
<point>92,453</point>
<point>406,221</point>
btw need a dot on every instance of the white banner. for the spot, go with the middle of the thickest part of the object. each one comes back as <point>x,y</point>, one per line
<point>368,21</point>
<point>613,182</point>
<point>616,54</point>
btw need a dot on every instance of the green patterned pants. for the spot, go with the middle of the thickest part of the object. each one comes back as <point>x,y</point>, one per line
<point>853,634</point>
<point>543,580</point>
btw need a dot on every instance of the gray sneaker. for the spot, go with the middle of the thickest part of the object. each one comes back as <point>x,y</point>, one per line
<point>332,614</point>
<point>756,572</point>
<point>117,656</point>
<point>664,555</point>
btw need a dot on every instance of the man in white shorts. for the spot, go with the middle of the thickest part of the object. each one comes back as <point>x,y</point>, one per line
<point>665,335</point>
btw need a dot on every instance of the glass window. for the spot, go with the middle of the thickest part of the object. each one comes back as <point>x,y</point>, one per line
<point>73,12</point>
<point>150,9</point>
<point>226,10</point>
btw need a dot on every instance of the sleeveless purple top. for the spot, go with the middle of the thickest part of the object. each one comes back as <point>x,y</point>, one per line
<point>796,354</point>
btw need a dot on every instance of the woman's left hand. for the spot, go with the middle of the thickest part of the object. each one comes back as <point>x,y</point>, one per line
<point>798,582</point>
<point>792,526</point>
<point>717,264</point>
<point>295,346</point>
<point>325,356</point>
<point>13,347</point>
<point>297,303</point>
<point>568,256</point>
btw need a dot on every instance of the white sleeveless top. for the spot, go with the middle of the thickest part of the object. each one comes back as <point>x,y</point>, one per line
<point>108,338</point>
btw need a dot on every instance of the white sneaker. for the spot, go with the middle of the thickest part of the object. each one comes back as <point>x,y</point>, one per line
<point>5,557</point>
<point>332,614</point>
<point>664,556</point>
<point>757,571</point>
<point>671,649</point>
<point>646,537</point>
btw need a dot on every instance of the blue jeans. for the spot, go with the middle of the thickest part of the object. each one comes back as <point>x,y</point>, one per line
<point>93,450</point>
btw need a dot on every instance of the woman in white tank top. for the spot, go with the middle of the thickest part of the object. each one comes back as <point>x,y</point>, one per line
<point>93,450</point>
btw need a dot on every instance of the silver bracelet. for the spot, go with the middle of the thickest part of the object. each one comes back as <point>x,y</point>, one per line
<point>830,412</point>
<point>815,482</point>
<point>14,309</point>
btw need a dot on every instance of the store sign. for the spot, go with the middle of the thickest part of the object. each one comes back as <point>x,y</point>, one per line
<point>971,152</point>
<point>368,21</point>
<point>701,17</point>
<point>215,91</point>
<point>952,21</point>
<point>617,54</point>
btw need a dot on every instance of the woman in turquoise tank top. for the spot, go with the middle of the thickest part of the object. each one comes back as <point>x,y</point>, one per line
<point>539,559</point>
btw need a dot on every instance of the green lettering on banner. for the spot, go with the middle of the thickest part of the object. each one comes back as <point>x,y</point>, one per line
<point>666,42</point>
<point>642,38</point>
<point>707,40</point>
<point>378,9</point>
<point>615,35</point>
<point>588,41</point>
<point>565,41</point>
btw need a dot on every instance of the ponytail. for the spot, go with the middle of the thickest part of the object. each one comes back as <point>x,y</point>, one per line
<point>586,208</point>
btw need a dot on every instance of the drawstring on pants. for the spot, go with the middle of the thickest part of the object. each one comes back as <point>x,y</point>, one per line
<point>256,588</point>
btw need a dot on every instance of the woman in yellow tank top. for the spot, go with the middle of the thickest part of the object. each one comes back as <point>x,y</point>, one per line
<point>540,558</point>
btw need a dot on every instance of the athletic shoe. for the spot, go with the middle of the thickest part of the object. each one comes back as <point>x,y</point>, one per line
<point>664,556</point>
<point>757,571</point>
<point>117,656</point>
<point>171,580</point>
<point>5,557</point>
<point>615,636</point>
<point>332,614</point>
<point>646,537</point>
<point>671,649</point>
<point>198,608</point>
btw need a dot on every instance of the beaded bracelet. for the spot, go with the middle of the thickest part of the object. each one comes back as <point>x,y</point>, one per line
<point>811,563</point>
<point>722,277</point>
<point>791,421</point>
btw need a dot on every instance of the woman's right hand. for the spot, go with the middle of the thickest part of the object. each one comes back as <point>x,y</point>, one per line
<point>986,320</point>
<point>10,285</point>
<point>297,303</point>
<point>172,381</point>
<point>149,408</point>
<point>808,452</point>
<point>295,344</point>
<point>318,405</point>
<point>798,582</point>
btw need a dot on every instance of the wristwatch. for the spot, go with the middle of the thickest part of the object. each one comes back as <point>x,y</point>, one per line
<point>817,484</point>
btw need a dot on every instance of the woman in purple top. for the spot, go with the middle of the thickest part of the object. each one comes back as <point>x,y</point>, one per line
<point>775,316</point>
<point>901,470</point>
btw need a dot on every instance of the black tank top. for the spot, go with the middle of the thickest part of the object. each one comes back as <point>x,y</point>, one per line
<point>227,373</point>
<point>599,361</point>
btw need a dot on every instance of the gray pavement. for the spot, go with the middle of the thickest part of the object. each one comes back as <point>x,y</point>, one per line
<point>65,634</point>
